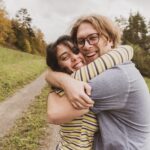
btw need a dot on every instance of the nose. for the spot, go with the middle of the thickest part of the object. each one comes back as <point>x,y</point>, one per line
<point>86,45</point>
<point>74,57</point>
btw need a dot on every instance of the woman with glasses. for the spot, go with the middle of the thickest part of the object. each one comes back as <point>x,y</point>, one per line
<point>78,130</point>
<point>120,94</point>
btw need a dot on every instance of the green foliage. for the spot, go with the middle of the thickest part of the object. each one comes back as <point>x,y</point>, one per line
<point>27,46</point>
<point>38,43</point>
<point>17,69</point>
<point>30,129</point>
<point>142,60</point>
<point>148,82</point>
<point>136,32</point>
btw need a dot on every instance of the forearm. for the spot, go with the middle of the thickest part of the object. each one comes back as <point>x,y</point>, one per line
<point>57,79</point>
<point>114,57</point>
<point>61,111</point>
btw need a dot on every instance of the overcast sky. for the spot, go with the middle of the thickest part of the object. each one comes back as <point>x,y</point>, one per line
<point>54,17</point>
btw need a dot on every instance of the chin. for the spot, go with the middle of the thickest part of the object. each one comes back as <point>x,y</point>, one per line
<point>89,60</point>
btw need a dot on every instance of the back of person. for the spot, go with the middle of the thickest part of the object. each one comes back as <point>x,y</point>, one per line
<point>122,117</point>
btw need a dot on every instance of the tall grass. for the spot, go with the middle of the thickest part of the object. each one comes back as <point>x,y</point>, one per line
<point>17,69</point>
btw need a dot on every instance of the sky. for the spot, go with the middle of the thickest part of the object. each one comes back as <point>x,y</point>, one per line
<point>55,17</point>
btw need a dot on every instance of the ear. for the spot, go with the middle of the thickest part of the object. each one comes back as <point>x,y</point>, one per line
<point>110,43</point>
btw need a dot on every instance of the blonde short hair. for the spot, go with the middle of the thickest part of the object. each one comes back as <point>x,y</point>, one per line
<point>102,24</point>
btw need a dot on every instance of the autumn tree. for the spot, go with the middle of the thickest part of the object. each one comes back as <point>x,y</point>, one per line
<point>5,27</point>
<point>29,39</point>
<point>18,32</point>
<point>39,42</point>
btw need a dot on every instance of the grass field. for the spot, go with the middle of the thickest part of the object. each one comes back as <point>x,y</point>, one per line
<point>31,129</point>
<point>17,69</point>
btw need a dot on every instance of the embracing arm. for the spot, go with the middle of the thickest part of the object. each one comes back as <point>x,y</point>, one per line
<point>114,57</point>
<point>61,111</point>
<point>56,78</point>
<point>75,90</point>
<point>110,90</point>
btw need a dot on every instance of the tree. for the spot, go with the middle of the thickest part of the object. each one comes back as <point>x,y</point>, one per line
<point>122,22</point>
<point>25,20</point>
<point>5,27</point>
<point>136,32</point>
<point>39,42</point>
<point>18,33</point>
<point>23,30</point>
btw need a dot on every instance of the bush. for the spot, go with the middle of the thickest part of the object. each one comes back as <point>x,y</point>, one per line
<point>142,60</point>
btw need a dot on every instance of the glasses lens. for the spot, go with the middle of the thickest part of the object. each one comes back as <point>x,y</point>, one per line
<point>93,38</point>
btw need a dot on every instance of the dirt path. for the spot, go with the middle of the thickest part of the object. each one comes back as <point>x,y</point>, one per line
<point>52,138</point>
<point>13,107</point>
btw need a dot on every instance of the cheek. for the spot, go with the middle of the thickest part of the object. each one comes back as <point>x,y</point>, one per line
<point>66,64</point>
<point>82,58</point>
<point>102,42</point>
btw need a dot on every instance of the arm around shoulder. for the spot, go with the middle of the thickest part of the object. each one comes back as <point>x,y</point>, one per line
<point>61,111</point>
<point>110,90</point>
<point>57,79</point>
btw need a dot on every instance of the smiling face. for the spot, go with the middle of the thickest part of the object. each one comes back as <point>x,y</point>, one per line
<point>69,61</point>
<point>92,51</point>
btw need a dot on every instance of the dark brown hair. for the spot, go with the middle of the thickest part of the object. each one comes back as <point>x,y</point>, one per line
<point>51,51</point>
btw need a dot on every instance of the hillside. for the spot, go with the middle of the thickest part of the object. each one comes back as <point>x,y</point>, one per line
<point>17,69</point>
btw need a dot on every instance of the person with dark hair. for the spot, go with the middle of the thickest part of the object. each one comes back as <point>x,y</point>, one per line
<point>52,59</point>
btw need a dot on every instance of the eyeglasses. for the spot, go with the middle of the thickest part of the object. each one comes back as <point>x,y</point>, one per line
<point>91,39</point>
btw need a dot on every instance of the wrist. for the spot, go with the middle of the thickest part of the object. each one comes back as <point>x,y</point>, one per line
<point>65,81</point>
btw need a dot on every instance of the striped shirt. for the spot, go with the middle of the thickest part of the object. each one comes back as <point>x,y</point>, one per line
<point>79,133</point>
<point>114,57</point>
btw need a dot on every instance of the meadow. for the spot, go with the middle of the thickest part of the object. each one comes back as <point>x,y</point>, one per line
<point>30,132</point>
<point>17,69</point>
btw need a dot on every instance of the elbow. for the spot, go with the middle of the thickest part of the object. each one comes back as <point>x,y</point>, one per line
<point>53,118</point>
<point>47,78</point>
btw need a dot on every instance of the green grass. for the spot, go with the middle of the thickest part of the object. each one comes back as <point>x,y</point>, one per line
<point>17,69</point>
<point>148,82</point>
<point>30,129</point>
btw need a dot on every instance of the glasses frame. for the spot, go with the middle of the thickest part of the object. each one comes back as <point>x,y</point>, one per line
<point>88,40</point>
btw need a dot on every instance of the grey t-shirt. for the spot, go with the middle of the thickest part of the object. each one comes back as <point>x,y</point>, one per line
<point>122,106</point>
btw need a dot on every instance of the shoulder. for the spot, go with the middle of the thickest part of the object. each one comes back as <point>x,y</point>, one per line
<point>115,74</point>
<point>111,81</point>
